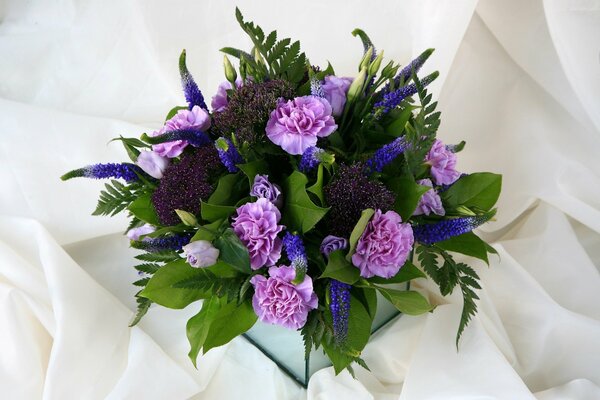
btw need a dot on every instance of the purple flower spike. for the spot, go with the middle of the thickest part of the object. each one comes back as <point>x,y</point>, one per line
<point>393,99</point>
<point>406,72</point>
<point>193,95</point>
<point>153,245</point>
<point>446,229</point>
<point>295,251</point>
<point>228,154</point>
<point>339,306</point>
<point>125,171</point>
<point>310,159</point>
<point>386,154</point>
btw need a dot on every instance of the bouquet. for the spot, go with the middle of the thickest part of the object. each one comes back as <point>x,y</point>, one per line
<point>297,197</point>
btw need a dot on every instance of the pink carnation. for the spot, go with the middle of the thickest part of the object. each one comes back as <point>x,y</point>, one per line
<point>296,124</point>
<point>384,246</point>
<point>196,118</point>
<point>256,224</point>
<point>443,164</point>
<point>278,301</point>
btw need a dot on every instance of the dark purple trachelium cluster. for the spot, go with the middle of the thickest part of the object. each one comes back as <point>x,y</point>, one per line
<point>446,229</point>
<point>185,184</point>
<point>339,306</point>
<point>249,109</point>
<point>124,171</point>
<point>295,251</point>
<point>386,154</point>
<point>228,154</point>
<point>172,242</point>
<point>350,192</point>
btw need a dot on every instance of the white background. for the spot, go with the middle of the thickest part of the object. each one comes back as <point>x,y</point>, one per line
<point>520,82</point>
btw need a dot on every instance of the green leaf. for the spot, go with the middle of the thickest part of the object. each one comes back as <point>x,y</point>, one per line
<point>359,331</point>
<point>468,244</point>
<point>253,168</point>
<point>143,305</point>
<point>206,281</point>
<point>143,209</point>
<point>300,213</point>
<point>480,190</point>
<point>396,128</point>
<point>207,232</point>
<point>159,256</point>
<point>199,325</point>
<point>317,187</point>
<point>358,230</point>
<point>213,212</point>
<point>407,301</point>
<point>229,189</point>
<point>231,321</point>
<point>233,251</point>
<point>340,269</point>
<point>160,287</point>
<point>174,111</point>
<point>368,297</point>
<point>115,198</point>
<point>407,272</point>
<point>408,193</point>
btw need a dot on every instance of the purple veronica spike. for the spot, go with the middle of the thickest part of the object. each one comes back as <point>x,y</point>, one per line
<point>386,154</point>
<point>316,88</point>
<point>125,171</point>
<point>393,99</point>
<point>193,95</point>
<point>406,72</point>
<point>153,245</point>
<point>310,159</point>
<point>193,136</point>
<point>446,229</point>
<point>228,154</point>
<point>295,251</point>
<point>339,293</point>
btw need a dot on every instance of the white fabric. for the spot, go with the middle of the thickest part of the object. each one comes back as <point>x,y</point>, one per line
<point>520,82</point>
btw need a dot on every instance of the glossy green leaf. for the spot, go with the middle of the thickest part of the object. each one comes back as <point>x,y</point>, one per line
<point>317,187</point>
<point>228,191</point>
<point>143,209</point>
<point>213,212</point>
<point>174,111</point>
<point>253,168</point>
<point>396,128</point>
<point>233,251</point>
<point>407,301</point>
<point>160,287</point>
<point>231,321</point>
<point>340,269</point>
<point>468,244</point>
<point>407,272</point>
<point>480,190</point>
<point>199,325</point>
<point>207,232</point>
<point>408,193</point>
<point>300,213</point>
<point>358,230</point>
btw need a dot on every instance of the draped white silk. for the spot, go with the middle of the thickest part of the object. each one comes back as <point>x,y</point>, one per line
<point>520,82</point>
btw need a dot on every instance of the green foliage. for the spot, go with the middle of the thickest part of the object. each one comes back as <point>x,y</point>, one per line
<point>147,268</point>
<point>340,269</point>
<point>300,213</point>
<point>131,146</point>
<point>204,281</point>
<point>229,189</point>
<point>317,187</point>
<point>159,256</point>
<point>160,287</point>
<point>143,209</point>
<point>421,132</point>
<point>358,230</point>
<point>468,244</point>
<point>399,120</point>
<point>407,301</point>
<point>174,111</point>
<point>407,272</point>
<point>143,305</point>
<point>217,323</point>
<point>213,212</point>
<point>479,190</point>
<point>116,197</point>
<point>278,59</point>
<point>447,276</point>
<point>233,251</point>
<point>253,168</point>
<point>408,193</point>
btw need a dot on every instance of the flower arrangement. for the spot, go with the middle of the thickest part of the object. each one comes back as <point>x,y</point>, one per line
<point>297,198</point>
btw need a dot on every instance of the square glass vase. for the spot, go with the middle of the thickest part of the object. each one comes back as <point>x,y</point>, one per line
<point>286,348</point>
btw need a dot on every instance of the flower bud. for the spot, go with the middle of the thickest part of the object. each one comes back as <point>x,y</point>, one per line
<point>187,218</point>
<point>366,60</point>
<point>374,67</point>
<point>230,73</point>
<point>357,85</point>
<point>201,253</point>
